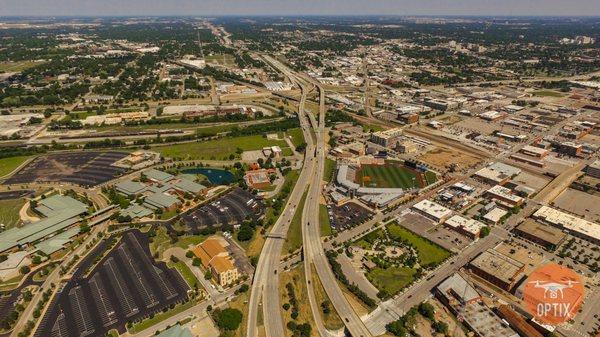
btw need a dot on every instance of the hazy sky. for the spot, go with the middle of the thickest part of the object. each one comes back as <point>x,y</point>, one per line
<point>297,7</point>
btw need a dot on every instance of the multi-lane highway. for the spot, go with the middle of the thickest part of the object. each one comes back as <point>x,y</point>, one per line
<point>265,288</point>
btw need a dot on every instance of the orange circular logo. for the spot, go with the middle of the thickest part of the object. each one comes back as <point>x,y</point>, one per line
<point>553,294</point>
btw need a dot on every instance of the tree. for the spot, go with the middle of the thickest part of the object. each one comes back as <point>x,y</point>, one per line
<point>397,328</point>
<point>208,275</point>
<point>485,231</point>
<point>228,319</point>
<point>25,270</point>
<point>245,233</point>
<point>427,310</point>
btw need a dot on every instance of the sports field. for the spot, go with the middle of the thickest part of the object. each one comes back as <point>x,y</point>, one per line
<point>387,176</point>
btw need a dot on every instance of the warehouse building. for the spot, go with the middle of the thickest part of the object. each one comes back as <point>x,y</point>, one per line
<point>576,226</point>
<point>542,234</point>
<point>497,173</point>
<point>498,269</point>
<point>432,210</point>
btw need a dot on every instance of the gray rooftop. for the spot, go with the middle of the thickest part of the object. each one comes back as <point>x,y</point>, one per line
<point>130,187</point>
<point>57,203</point>
<point>159,176</point>
<point>59,219</point>
<point>136,211</point>
<point>160,200</point>
<point>57,242</point>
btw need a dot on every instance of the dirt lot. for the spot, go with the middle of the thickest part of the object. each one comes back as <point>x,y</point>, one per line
<point>443,158</point>
<point>580,203</point>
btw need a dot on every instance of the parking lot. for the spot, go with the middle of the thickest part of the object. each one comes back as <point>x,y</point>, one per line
<point>232,208</point>
<point>15,194</point>
<point>127,285</point>
<point>347,216</point>
<point>81,168</point>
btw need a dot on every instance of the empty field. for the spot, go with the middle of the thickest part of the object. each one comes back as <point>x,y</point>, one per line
<point>387,176</point>
<point>391,280</point>
<point>429,253</point>
<point>7,165</point>
<point>218,149</point>
<point>15,67</point>
<point>9,212</point>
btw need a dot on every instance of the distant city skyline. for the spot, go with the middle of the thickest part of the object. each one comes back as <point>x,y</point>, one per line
<point>306,7</point>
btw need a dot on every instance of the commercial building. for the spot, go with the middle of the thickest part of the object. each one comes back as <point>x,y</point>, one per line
<point>534,151</point>
<point>387,138</point>
<point>494,215</point>
<point>497,269</point>
<point>60,213</point>
<point>432,210</point>
<point>593,169</point>
<point>497,173</point>
<point>542,234</point>
<point>214,257</point>
<point>258,179</point>
<point>464,226</point>
<point>464,301</point>
<point>504,195</point>
<point>575,226</point>
<point>408,118</point>
<point>161,201</point>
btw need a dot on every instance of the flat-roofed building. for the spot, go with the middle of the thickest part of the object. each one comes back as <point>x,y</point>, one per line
<point>465,226</point>
<point>576,226</point>
<point>593,169</point>
<point>258,179</point>
<point>464,301</point>
<point>494,215</point>
<point>498,269</point>
<point>542,234</point>
<point>387,138</point>
<point>497,173</point>
<point>534,151</point>
<point>504,195</point>
<point>432,210</point>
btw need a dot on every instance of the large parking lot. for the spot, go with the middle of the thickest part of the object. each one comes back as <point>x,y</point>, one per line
<point>127,285</point>
<point>81,168</point>
<point>347,216</point>
<point>231,208</point>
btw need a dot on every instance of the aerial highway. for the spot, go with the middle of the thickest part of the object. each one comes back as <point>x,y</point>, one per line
<point>265,288</point>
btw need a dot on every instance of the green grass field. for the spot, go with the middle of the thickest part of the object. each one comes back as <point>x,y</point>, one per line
<point>218,149</point>
<point>222,59</point>
<point>324,221</point>
<point>7,165</point>
<point>329,169</point>
<point>294,236</point>
<point>14,67</point>
<point>387,176</point>
<point>391,280</point>
<point>429,253</point>
<point>186,273</point>
<point>296,135</point>
<point>431,177</point>
<point>9,212</point>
